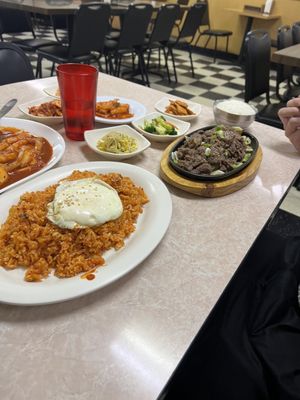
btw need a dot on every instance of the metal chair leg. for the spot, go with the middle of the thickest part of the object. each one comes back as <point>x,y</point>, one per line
<point>141,68</point>
<point>39,73</point>
<point>216,46</point>
<point>173,62</point>
<point>209,37</point>
<point>52,68</point>
<point>145,71</point>
<point>149,57</point>
<point>167,67</point>
<point>199,37</point>
<point>190,55</point>
<point>159,63</point>
<point>119,60</point>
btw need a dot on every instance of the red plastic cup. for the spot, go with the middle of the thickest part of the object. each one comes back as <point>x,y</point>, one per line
<point>78,89</point>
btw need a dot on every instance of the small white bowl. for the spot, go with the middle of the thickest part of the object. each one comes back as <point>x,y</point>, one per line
<point>93,136</point>
<point>162,104</point>
<point>43,120</point>
<point>182,127</point>
<point>235,117</point>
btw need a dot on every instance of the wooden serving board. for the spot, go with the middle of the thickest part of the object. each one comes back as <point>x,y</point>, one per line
<point>209,189</point>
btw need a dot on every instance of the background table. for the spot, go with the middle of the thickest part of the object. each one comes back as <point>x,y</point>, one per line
<point>288,56</point>
<point>123,342</point>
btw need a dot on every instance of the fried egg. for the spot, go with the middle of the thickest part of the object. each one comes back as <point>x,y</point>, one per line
<point>84,203</point>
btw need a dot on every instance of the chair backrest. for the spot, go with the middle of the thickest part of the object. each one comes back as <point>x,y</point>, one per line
<point>193,20</point>
<point>205,19</point>
<point>14,64</point>
<point>91,24</point>
<point>134,26</point>
<point>14,21</point>
<point>296,32</point>
<point>284,39</point>
<point>257,64</point>
<point>164,23</point>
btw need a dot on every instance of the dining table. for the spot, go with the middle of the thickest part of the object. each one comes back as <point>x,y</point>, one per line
<point>288,56</point>
<point>124,340</point>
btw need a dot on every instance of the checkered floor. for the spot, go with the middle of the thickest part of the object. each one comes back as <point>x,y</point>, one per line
<point>222,79</point>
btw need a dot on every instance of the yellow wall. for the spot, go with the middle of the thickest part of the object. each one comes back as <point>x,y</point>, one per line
<point>220,18</point>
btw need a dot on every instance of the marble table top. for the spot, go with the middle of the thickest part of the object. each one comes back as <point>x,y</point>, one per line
<point>124,341</point>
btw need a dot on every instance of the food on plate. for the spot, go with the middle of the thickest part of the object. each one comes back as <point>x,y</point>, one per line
<point>21,154</point>
<point>113,109</point>
<point>159,126</point>
<point>47,109</point>
<point>178,107</point>
<point>118,143</point>
<point>214,151</point>
<point>29,239</point>
<point>84,203</point>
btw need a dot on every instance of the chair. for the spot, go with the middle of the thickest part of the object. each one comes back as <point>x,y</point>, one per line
<point>285,72</point>
<point>14,64</point>
<point>187,33</point>
<point>214,33</point>
<point>60,22</point>
<point>257,75</point>
<point>181,14</point>
<point>15,21</point>
<point>162,29</point>
<point>91,23</point>
<point>296,32</point>
<point>131,39</point>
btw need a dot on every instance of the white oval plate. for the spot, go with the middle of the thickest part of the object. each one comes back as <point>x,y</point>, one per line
<point>52,91</point>
<point>93,136</point>
<point>182,127</point>
<point>43,120</point>
<point>151,226</point>
<point>35,128</point>
<point>135,108</point>
<point>194,107</point>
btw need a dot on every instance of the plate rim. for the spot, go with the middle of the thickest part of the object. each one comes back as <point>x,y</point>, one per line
<point>55,174</point>
<point>60,141</point>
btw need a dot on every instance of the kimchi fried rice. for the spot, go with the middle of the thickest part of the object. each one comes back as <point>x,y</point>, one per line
<point>30,240</point>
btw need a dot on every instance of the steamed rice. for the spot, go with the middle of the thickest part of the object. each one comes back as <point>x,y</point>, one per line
<point>30,240</point>
<point>235,107</point>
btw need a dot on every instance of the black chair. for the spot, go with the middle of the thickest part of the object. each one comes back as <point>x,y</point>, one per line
<point>14,64</point>
<point>131,40</point>
<point>161,33</point>
<point>15,21</point>
<point>187,34</point>
<point>60,23</point>
<point>285,72</point>
<point>257,75</point>
<point>181,14</point>
<point>91,23</point>
<point>296,32</point>
<point>213,33</point>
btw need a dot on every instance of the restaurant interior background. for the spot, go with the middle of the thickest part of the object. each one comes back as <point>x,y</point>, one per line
<point>212,80</point>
